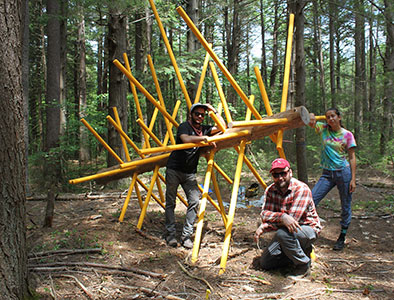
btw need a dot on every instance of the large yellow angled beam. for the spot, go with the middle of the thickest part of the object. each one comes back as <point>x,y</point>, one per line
<point>219,198</point>
<point>202,77</point>
<point>127,200</point>
<point>134,92</point>
<point>151,134</point>
<point>221,93</point>
<point>171,54</point>
<point>191,145</point>
<point>125,136</point>
<point>126,150</point>
<point>147,198</point>
<point>203,204</point>
<point>160,96</point>
<point>279,144</point>
<point>99,175</point>
<point>287,63</point>
<point>233,204</point>
<point>174,113</point>
<point>101,140</point>
<point>145,92</point>
<point>153,195</point>
<point>139,162</point>
<point>222,67</point>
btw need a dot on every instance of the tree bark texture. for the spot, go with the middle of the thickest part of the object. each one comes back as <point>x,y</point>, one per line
<point>13,258</point>
<point>389,77</point>
<point>117,82</point>
<point>300,89</point>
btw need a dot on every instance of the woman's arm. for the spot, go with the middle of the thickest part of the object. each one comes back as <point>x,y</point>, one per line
<point>352,162</point>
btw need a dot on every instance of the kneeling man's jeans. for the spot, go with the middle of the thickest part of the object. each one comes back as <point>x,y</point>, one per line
<point>286,248</point>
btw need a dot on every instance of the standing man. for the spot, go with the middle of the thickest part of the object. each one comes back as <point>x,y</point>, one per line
<point>182,169</point>
<point>289,210</point>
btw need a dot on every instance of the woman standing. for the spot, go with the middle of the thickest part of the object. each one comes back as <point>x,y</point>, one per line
<point>337,144</point>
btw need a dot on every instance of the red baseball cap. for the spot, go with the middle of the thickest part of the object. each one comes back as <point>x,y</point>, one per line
<point>279,163</point>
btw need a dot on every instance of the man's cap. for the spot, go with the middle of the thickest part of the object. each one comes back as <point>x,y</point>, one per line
<point>279,163</point>
<point>195,105</point>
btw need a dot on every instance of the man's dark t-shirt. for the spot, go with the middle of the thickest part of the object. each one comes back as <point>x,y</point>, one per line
<point>186,160</point>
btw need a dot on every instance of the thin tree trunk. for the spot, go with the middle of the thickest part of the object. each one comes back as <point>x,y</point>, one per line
<point>372,73</point>
<point>302,172</point>
<point>388,77</point>
<point>333,13</point>
<point>274,68</point>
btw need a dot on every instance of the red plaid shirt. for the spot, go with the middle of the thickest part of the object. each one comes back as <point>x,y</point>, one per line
<point>296,201</point>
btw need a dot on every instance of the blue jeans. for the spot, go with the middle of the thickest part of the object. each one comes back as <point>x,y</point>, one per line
<point>341,179</point>
<point>288,248</point>
<point>189,184</point>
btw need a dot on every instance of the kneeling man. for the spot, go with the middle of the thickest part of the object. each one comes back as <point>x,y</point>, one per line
<point>289,210</point>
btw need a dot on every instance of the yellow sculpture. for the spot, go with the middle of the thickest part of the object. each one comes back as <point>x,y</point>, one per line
<point>236,135</point>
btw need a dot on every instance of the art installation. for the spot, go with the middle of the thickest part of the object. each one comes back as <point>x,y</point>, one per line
<point>236,135</point>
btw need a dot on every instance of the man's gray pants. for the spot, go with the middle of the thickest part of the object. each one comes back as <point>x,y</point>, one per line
<point>286,248</point>
<point>189,184</point>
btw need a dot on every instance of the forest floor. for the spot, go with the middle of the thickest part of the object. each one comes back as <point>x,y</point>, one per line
<point>88,254</point>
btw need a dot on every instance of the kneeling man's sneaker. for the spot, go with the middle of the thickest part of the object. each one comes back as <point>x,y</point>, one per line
<point>187,243</point>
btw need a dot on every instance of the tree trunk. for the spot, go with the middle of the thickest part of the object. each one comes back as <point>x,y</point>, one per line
<point>274,68</point>
<point>372,73</point>
<point>63,64</point>
<point>117,83</point>
<point>332,15</point>
<point>84,154</point>
<point>13,256</point>
<point>192,45</point>
<point>388,77</point>
<point>358,79</point>
<point>52,163</point>
<point>302,172</point>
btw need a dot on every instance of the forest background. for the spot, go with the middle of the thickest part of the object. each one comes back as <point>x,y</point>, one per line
<point>343,56</point>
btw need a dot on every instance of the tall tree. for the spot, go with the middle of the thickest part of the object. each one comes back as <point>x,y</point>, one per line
<point>332,15</point>
<point>52,128</point>
<point>300,88</point>
<point>193,44</point>
<point>359,79</point>
<point>117,84</point>
<point>372,71</point>
<point>388,76</point>
<point>13,256</point>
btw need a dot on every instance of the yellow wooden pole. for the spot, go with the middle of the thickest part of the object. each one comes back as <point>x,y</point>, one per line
<point>222,67</point>
<point>126,150</point>
<point>320,118</point>
<point>137,191</point>
<point>139,162</point>
<point>134,92</point>
<point>145,206</point>
<point>171,54</point>
<point>279,144</point>
<point>151,134</point>
<point>221,93</point>
<point>100,139</point>
<point>202,77</point>
<point>174,113</point>
<point>263,92</point>
<point>203,205</point>
<point>160,96</point>
<point>99,175</point>
<point>222,210</point>
<point>127,200</point>
<point>153,195</point>
<point>173,147</point>
<point>217,121</point>
<point>160,190</point>
<point>145,92</point>
<point>221,172</point>
<point>125,136</point>
<point>287,64</point>
<point>233,204</point>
